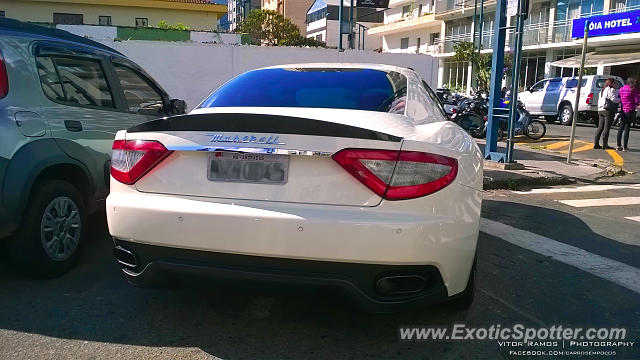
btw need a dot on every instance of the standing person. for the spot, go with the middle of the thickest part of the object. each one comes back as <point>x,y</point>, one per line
<point>630,99</point>
<point>607,108</point>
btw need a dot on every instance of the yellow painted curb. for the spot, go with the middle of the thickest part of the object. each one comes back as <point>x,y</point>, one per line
<point>557,145</point>
<point>617,159</point>
<point>581,148</point>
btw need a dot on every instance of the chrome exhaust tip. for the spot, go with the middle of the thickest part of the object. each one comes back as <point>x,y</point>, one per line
<point>400,284</point>
<point>125,257</point>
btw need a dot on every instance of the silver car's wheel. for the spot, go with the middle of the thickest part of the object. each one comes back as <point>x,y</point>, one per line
<point>60,228</point>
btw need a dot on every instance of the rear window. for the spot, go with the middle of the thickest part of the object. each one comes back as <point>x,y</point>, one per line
<point>600,83</point>
<point>357,89</point>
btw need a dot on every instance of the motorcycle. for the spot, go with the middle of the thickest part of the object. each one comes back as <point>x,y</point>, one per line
<point>472,115</point>
<point>525,125</point>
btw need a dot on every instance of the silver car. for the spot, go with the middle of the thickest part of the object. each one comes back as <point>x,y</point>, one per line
<point>62,98</point>
<point>554,98</point>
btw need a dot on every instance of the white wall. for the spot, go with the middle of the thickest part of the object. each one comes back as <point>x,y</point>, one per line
<point>192,71</point>
<point>218,38</point>
<point>94,32</point>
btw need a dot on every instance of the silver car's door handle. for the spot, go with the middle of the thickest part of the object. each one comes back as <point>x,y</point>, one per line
<point>73,125</point>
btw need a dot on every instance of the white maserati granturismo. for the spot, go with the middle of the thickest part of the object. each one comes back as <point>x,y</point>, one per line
<point>345,175</point>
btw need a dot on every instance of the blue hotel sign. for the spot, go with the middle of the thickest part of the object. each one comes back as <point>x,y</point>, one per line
<point>611,24</point>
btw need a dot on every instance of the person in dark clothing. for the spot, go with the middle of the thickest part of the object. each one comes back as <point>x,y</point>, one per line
<point>607,107</point>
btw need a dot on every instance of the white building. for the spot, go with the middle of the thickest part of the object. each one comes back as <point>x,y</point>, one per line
<point>548,49</point>
<point>238,11</point>
<point>322,24</point>
<point>409,27</point>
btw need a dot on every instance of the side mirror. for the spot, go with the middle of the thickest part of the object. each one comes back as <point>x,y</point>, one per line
<point>177,106</point>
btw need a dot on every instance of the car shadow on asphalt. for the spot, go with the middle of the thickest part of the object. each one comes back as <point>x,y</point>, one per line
<point>250,320</point>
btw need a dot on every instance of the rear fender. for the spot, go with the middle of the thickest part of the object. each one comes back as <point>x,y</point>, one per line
<point>27,164</point>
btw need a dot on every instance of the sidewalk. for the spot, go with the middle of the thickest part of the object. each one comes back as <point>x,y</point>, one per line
<point>543,168</point>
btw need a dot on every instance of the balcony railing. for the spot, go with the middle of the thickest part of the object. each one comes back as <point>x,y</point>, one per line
<point>534,34</point>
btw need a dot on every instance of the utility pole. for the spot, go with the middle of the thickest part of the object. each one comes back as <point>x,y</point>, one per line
<point>497,65</point>
<point>351,25</point>
<point>341,8</point>
<point>515,77</point>
<point>579,87</point>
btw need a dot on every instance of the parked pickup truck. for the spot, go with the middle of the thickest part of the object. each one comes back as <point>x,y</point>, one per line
<point>554,98</point>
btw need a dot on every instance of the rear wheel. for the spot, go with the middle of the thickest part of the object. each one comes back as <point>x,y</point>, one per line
<point>51,234</point>
<point>535,130</point>
<point>566,114</point>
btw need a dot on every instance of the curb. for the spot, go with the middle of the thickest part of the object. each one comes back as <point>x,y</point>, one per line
<point>514,183</point>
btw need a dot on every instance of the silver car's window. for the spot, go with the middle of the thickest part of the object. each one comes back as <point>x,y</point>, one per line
<point>141,96</point>
<point>83,82</point>
<point>49,79</point>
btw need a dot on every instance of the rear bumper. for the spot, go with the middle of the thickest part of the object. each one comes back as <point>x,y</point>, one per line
<point>440,230</point>
<point>164,266</point>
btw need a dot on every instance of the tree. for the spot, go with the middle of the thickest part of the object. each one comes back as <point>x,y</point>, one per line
<point>481,62</point>
<point>267,27</point>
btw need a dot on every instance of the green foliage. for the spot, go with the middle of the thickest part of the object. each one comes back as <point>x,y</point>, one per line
<point>268,27</point>
<point>162,24</point>
<point>467,52</point>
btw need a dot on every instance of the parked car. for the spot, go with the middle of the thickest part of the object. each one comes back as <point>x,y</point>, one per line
<point>554,98</point>
<point>345,175</point>
<point>62,98</point>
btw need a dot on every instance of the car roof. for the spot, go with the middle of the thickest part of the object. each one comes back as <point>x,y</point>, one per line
<point>381,67</point>
<point>45,33</point>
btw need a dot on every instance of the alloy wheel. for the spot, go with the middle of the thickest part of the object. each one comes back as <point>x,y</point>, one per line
<point>60,228</point>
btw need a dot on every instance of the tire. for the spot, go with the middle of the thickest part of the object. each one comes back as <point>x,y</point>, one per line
<point>463,300</point>
<point>50,237</point>
<point>533,125</point>
<point>565,114</point>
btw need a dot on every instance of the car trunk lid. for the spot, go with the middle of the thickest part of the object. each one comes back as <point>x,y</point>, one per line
<point>268,155</point>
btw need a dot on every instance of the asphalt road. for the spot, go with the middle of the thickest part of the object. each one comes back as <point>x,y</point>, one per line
<point>93,313</point>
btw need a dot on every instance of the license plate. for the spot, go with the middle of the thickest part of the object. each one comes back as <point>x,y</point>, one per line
<point>248,168</point>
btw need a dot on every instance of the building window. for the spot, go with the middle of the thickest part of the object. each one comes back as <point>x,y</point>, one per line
<point>2,14</point>
<point>417,45</point>
<point>405,10</point>
<point>319,37</point>
<point>404,43</point>
<point>434,38</point>
<point>67,19</point>
<point>142,22</point>
<point>317,15</point>
<point>104,20</point>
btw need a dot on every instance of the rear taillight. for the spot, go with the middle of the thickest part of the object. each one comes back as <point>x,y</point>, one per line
<point>397,175</point>
<point>4,78</point>
<point>131,159</point>
<point>589,99</point>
